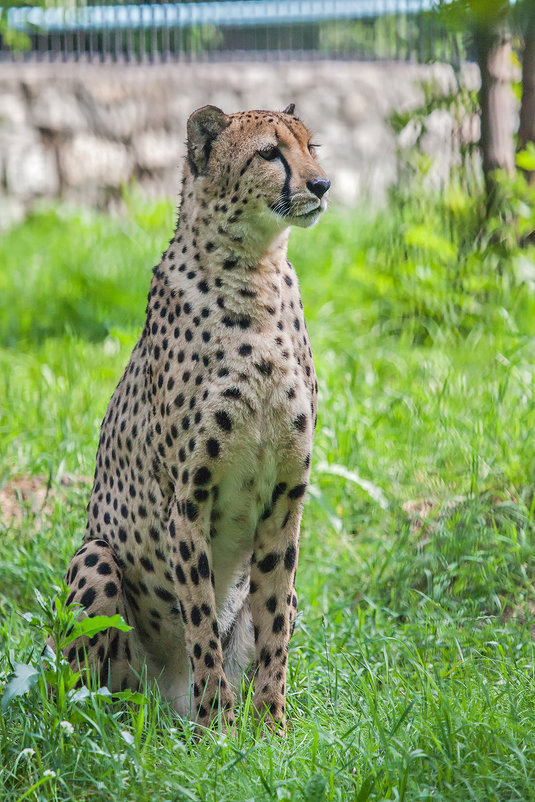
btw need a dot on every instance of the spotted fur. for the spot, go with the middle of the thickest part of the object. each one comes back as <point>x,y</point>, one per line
<point>204,452</point>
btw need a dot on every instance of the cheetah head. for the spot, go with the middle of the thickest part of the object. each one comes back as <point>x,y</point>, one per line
<point>261,165</point>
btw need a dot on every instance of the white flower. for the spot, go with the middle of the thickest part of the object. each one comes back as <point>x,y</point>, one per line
<point>67,727</point>
<point>49,773</point>
<point>27,753</point>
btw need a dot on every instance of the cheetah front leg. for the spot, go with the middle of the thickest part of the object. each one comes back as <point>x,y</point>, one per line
<point>95,578</point>
<point>274,605</point>
<point>195,590</point>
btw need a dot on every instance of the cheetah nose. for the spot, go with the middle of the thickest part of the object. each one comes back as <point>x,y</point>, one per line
<point>319,186</point>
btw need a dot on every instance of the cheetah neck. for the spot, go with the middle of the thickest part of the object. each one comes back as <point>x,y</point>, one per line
<point>243,236</point>
<point>246,256</point>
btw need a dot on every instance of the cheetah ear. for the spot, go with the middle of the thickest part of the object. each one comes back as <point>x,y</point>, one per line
<point>290,109</point>
<point>204,126</point>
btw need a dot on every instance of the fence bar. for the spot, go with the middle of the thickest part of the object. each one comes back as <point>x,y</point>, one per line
<point>157,30</point>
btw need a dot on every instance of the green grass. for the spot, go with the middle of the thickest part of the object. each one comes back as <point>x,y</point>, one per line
<point>411,674</point>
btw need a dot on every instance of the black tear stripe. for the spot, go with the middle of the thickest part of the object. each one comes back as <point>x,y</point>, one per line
<point>286,187</point>
<point>284,208</point>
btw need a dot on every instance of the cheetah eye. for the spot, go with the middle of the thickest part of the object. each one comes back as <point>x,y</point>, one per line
<point>312,148</point>
<point>270,154</point>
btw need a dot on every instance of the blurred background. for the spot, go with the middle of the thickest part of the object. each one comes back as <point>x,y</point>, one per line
<point>411,672</point>
<point>94,96</point>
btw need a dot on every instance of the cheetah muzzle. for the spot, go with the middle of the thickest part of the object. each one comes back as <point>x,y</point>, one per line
<point>204,452</point>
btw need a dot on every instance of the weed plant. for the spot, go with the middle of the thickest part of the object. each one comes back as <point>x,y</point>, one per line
<point>411,674</point>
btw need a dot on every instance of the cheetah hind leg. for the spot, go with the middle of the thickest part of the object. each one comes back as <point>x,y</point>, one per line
<point>239,647</point>
<point>111,657</point>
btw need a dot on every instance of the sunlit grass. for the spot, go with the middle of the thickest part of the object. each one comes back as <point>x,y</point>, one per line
<point>411,672</point>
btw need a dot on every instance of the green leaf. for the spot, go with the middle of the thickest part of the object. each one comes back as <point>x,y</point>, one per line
<point>83,693</point>
<point>70,678</point>
<point>99,623</point>
<point>136,697</point>
<point>525,159</point>
<point>22,680</point>
<point>33,619</point>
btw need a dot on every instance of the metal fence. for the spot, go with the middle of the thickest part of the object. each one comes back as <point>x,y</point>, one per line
<point>153,31</point>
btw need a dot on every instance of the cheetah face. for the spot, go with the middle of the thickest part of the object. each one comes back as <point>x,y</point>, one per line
<point>265,161</point>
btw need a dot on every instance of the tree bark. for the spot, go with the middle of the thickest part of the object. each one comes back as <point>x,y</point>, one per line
<point>496,101</point>
<point>526,131</point>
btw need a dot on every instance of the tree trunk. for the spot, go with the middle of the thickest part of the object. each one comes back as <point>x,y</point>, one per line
<point>496,102</point>
<point>526,131</point>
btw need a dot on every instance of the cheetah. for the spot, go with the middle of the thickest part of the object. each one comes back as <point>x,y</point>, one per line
<point>205,448</point>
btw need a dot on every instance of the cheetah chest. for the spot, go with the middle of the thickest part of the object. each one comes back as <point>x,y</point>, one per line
<point>262,464</point>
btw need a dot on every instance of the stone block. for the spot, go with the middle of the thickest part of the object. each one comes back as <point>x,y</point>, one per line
<point>443,78</point>
<point>56,108</point>
<point>91,160</point>
<point>30,167</point>
<point>471,76</point>
<point>155,150</point>
<point>121,120</point>
<point>13,110</point>
<point>438,134</point>
<point>470,128</point>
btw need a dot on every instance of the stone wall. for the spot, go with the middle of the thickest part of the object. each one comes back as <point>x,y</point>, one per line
<point>80,132</point>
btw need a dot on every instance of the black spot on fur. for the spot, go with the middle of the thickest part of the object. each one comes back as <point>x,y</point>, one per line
<point>223,420</point>
<point>185,552</point>
<point>264,367</point>
<point>88,597</point>
<point>269,562</point>
<point>289,558</point>
<point>271,604</point>
<point>232,392</point>
<point>278,490</point>
<point>297,491</point>
<point>212,446</point>
<point>209,661</point>
<point>202,476</point>
<point>203,566</point>
<point>164,594</point>
<point>278,623</point>
<point>192,511</point>
<point>300,422</point>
